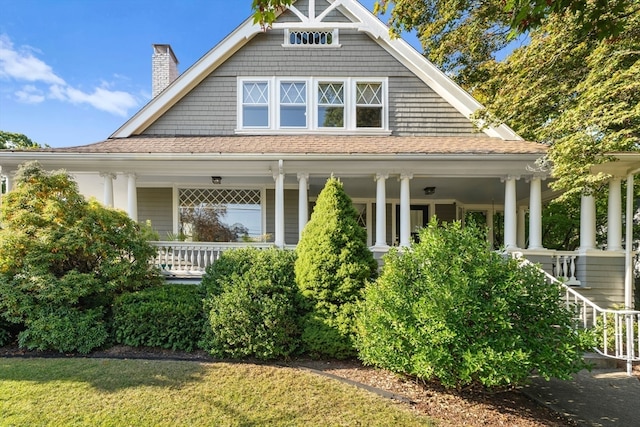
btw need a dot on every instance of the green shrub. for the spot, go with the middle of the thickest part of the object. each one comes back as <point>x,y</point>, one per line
<point>6,335</point>
<point>169,316</point>
<point>333,265</point>
<point>64,329</point>
<point>253,305</point>
<point>451,310</point>
<point>60,253</point>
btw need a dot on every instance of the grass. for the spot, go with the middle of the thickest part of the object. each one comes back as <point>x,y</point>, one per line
<point>106,392</point>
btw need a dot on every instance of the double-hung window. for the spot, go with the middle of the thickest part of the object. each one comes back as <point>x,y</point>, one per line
<point>314,104</point>
<point>293,104</point>
<point>330,104</point>
<point>255,104</point>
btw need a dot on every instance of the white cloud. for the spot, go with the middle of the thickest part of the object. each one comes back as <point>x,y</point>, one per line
<point>21,65</point>
<point>30,95</point>
<point>115,102</point>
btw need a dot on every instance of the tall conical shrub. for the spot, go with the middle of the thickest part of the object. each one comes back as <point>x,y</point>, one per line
<point>332,267</point>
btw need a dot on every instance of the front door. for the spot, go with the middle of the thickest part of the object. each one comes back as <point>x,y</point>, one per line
<point>419,215</point>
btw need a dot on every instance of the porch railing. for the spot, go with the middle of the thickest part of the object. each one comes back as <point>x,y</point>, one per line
<point>191,259</point>
<point>617,331</point>
<point>564,267</point>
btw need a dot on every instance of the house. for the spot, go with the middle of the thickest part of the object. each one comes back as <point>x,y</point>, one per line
<point>258,124</point>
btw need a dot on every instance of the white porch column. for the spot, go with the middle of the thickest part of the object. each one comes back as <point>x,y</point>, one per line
<point>614,219</point>
<point>522,238</point>
<point>405,210</point>
<point>303,202</point>
<point>510,214</point>
<point>108,188</point>
<point>8,181</point>
<point>490,229</point>
<point>535,213</point>
<point>587,223</point>
<point>132,197</point>
<point>279,217</point>
<point>381,210</point>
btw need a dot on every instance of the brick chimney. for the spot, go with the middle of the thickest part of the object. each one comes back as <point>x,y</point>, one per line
<point>164,68</point>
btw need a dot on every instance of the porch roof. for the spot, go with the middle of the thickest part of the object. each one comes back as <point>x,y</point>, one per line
<point>306,144</point>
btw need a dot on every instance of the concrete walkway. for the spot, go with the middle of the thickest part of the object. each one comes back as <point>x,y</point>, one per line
<point>602,397</point>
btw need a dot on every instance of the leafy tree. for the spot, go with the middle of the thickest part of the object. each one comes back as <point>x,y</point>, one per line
<point>452,310</point>
<point>264,11</point>
<point>604,18</point>
<point>63,260</point>
<point>580,95</point>
<point>333,265</point>
<point>10,140</point>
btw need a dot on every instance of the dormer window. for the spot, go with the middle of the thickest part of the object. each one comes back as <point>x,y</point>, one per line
<point>348,104</point>
<point>311,38</point>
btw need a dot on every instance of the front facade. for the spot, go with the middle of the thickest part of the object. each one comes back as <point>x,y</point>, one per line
<point>236,149</point>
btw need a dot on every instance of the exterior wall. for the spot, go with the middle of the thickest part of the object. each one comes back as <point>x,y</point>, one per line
<point>602,278</point>
<point>414,108</point>
<point>91,184</point>
<point>290,215</point>
<point>156,205</point>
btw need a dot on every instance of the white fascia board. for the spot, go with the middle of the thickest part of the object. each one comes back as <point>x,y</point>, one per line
<point>424,69</point>
<point>189,79</point>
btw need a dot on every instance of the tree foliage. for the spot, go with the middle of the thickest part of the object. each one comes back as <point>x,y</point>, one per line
<point>333,265</point>
<point>452,310</point>
<point>63,258</point>
<point>579,95</point>
<point>11,140</point>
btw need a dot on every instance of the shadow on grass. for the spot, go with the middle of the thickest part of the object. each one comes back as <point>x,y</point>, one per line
<point>108,375</point>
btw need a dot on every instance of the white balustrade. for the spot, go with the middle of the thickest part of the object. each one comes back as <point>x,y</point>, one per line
<point>191,259</point>
<point>564,267</point>
<point>624,325</point>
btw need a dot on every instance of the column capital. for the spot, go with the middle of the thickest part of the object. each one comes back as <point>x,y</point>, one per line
<point>406,175</point>
<point>380,175</point>
<point>111,175</point>
<point>131,174</point>
<point>505,178</point>
<point>303,175</point>
<point>535,176</point>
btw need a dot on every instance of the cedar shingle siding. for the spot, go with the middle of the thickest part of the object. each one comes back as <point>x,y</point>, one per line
<point>414,108</point>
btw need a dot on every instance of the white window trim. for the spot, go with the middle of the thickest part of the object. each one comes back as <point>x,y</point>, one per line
<point>335,40</point>
<point>312,106</point>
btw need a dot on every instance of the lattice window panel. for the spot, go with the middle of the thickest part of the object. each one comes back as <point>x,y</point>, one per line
<point>192,197</point>
<point>331,93</point>
<point>293,93</point>
<point>369,94</point>
<point>256,93</point>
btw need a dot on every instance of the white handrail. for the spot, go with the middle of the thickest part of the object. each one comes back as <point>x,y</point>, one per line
<point>191,259</point>
<point>623,324</point>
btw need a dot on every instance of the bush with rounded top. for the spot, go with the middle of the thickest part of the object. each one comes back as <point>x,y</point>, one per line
<point>451,310</point>
<point>252,304</point>
<point>168,316</point>
<point>62,257</point>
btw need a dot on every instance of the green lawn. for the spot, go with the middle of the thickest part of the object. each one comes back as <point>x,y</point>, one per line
<point>105,392</point>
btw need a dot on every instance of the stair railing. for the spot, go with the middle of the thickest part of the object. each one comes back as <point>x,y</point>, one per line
<point>618,331</point>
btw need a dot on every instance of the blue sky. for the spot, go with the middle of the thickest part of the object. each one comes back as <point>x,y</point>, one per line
<point>73,71</point>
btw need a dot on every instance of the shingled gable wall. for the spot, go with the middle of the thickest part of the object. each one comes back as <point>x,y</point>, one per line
<point>414,108</point>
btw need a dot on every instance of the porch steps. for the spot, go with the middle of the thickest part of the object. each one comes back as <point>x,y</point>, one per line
<point>599,361</point>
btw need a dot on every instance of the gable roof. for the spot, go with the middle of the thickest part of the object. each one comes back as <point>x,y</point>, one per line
<point>361,19</point>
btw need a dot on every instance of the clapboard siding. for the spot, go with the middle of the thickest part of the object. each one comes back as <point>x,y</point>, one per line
<point>290,215</point>
<point>155,205</point>
<point>210,108</point>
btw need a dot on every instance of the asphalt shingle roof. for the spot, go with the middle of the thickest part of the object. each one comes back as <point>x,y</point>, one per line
<point>309,144</point>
